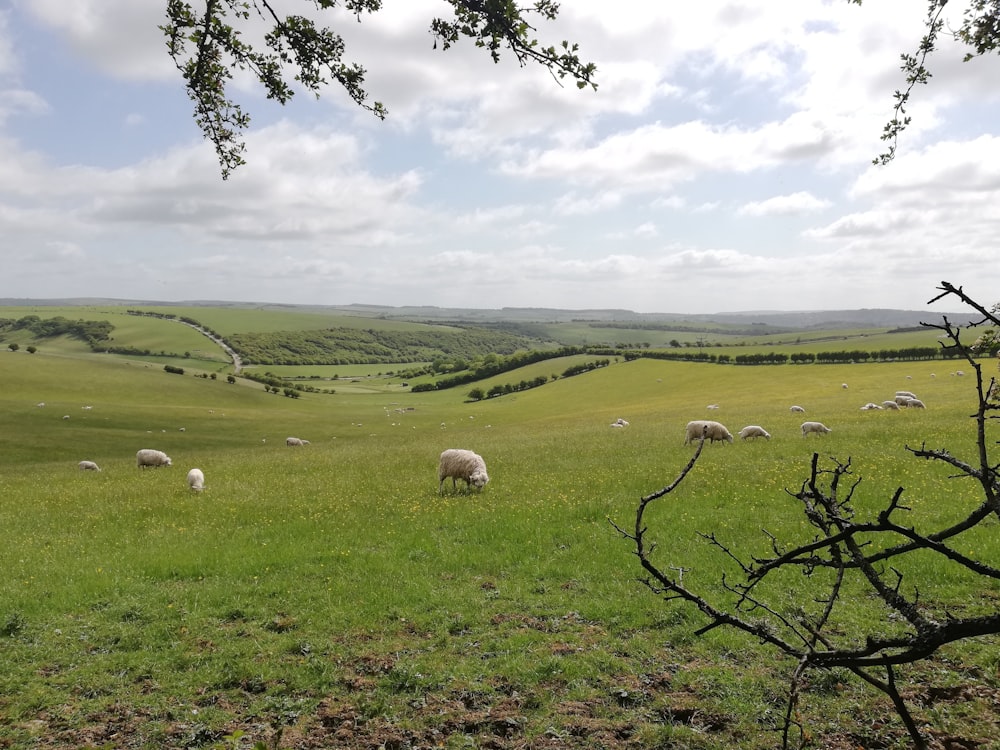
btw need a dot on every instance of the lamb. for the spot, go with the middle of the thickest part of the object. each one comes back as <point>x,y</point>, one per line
<point>818,427</point>
<point>754,431</point>
<point>796,409</point>
<point>890,405</point>
<point>88,466</point>
<point>870,405</point>
<point>915,403</point>
<point>149,457</point>
<point>294,441</point>
<point>196,480</point>
<point>704,429</point>
<point>458,463</point>
<point>620,422</point>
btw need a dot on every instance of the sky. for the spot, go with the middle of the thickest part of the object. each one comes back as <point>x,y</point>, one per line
<point>724,163</point>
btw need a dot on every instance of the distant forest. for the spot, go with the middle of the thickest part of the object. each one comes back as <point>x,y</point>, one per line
<point>343,346</point>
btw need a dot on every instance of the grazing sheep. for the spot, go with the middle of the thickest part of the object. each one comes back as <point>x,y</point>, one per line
<point>615,424</point>
<point>843,385</point>
<point>797,409</point>
<point>908,394</point>
<point>870,405</point>
<point>901,399</point>
<point>149,457</point>
<point>196,480</point>
<point>818,427</point>
<point>915,403</point>
<point>704,429</point>
<point>88,466</point>
<point>458,463</point>
<point>754,431</point>
<point>890,405</point>
<point>294,441</point>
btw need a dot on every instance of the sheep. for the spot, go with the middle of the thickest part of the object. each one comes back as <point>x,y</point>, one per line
<point>88,466</point>
<point>196,480</point>
<point>294,441</point>
<point>149,457</point>
<point>871,405</point>
<point>797,409</point>
<point>754,431</point>
<point>901,399</point>
<point>908,394</point>
<point>818,427</point>
<point>620,422</point>
<point>843,385</point>
<point>915,403</point>
<point>704,429</point>
<point>458,463</point>
<point>890,405</point>
<point>712,406</point>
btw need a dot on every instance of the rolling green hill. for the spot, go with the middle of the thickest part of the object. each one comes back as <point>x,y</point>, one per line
<point>329,595</point>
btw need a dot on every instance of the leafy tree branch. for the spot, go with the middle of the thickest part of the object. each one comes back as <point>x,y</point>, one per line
<point>207,44</point>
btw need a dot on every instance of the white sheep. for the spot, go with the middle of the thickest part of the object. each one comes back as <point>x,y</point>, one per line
<point>88,466</point>
<point>712,406</point>
<point>915,403</point>
<point>294,441</point>
<point>705,429</point>
<point>796,409</point>
<point>149,457</point>
<point>871,405</point>
<point>458,463</point>
<point>620,422</point>
<point>754,431</point>
<point>196,480</point>
<point>843,385</point>
<point>890,405</point>
<point>818,427</point>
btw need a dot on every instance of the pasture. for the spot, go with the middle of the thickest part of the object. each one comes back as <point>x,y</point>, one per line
<point>329,595</point>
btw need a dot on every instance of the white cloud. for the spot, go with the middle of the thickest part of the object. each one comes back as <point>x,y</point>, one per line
<point>784,205</point>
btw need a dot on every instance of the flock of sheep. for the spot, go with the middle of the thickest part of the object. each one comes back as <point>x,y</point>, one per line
<point>705,429</point>
<point>456,463</point>
<point>150,458</point>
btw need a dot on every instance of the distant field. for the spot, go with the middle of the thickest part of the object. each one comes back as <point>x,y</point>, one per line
<point>331,593</point>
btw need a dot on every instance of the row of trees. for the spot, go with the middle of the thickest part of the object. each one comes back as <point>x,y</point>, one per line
<point>478,394</point>
<point>908,354</point>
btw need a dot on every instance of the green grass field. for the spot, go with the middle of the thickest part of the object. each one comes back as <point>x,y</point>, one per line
<point>329,596</point>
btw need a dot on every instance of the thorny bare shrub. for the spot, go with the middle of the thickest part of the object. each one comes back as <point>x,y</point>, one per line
<point>847,551</point>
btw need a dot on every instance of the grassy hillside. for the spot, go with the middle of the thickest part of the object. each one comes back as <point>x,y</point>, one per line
<point>329,596</point>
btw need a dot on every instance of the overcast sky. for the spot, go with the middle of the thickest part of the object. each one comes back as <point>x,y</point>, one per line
<point>723,164</point>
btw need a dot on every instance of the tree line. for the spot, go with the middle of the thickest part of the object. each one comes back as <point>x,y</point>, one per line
<point>908,354</point>
<point>345,346</point>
